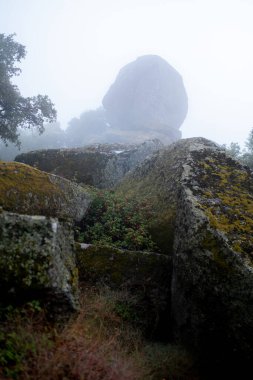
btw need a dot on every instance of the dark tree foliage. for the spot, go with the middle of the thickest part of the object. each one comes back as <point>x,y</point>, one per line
<point>15,110</point>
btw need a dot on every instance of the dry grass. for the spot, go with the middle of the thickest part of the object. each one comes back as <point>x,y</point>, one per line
<point>97,344</point>
<point>90,347</point>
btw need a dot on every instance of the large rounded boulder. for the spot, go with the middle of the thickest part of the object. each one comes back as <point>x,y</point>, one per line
<point>147,96</point>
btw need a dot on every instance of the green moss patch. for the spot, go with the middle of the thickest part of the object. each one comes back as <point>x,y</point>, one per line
<point>27,190</point>
<point>117,267</point>
<point>147,276</point>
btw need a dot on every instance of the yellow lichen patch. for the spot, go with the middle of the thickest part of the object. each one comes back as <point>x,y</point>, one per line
<point>210,243</point>
<point>27,190</point>
<point>226,193</point>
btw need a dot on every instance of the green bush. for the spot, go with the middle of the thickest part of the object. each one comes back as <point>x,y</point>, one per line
<point>117,221</point>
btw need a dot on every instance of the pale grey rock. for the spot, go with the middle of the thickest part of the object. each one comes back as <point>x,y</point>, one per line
<point>147,98</point>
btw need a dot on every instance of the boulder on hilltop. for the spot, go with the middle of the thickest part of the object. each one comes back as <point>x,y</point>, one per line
<point>147,98</point>
<point>147,101</point>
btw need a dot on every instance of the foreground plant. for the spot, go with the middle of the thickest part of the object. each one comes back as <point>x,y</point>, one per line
<point>98,343</point>
<point>118,221</point>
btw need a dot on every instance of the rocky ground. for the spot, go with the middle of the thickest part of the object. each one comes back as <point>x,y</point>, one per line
<point>198,288</point>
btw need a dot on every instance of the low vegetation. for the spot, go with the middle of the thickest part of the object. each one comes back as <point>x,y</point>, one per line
<point>97,343</point>
<point>117,221</point>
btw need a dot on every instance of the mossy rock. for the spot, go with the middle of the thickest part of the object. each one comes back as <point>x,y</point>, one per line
<point>99,165</point>
<point>37,261</point>
<point>145,275</point>
<point>159,181</point>
<point>26,190</point>
<point>212,294</point>
<point>203,206</point>
<point>121,267</point>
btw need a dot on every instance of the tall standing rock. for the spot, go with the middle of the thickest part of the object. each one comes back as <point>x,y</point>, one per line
<point>147,97</point>
<point>203,203</point>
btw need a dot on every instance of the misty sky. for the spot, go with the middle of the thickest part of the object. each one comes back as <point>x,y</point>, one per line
<point>75,49</point>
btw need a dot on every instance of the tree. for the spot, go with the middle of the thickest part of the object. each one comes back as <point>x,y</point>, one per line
<point>15,110</point>
<point>249,143</point>
<point>245,156</point>
<point>233,150</point>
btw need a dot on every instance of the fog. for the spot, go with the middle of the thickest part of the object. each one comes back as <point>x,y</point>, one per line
<point>75,49</point>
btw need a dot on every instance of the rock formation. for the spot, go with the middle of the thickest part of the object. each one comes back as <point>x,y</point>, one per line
<point>203,200</point>
<point>37,260</point>
<point>212,286</point>
<point>37,250</point>
<point>147,101</point>
<point>100,165</point>
<point>26,190</point>
<point>148,98</point>
<point>145,275</point>
<point>201,218</point>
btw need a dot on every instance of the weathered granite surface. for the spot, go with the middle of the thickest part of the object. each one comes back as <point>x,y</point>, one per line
<point>202,219</point>
<point>37,261</point>
<point>26,190</point>
<point>203,200</point>
<point>145,275</point>
<point>212,286</point>
<point>99,165</point>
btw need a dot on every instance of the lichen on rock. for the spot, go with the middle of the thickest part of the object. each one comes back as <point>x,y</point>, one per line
<point>37,260</point>
<point>145,275</point>
<point>212,264</point>
<point>99,165</point>
<point>203,200</point>
<point>225,188</point>
<point>158,179</point>
<point>27,190</point>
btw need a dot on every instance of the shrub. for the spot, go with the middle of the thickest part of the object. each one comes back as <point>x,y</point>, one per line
<point>118,221</point>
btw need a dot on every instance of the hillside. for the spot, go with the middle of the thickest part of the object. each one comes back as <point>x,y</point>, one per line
<point>193,203</point>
